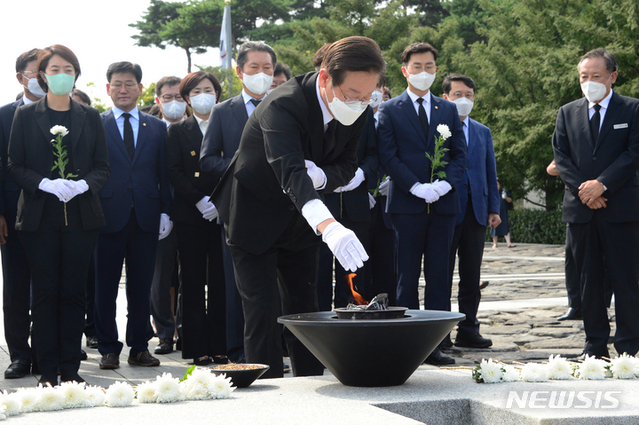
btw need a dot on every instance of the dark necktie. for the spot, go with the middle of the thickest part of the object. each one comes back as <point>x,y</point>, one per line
<point>128,135</point>
<point>329,137</point>
<point>594,123</point>
<point>255,102</point>
<point>423,117</point>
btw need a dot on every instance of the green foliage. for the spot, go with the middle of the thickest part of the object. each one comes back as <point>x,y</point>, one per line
<point>147,98</point>
<point>223,75</point>
<point>536,226</point>
<point>61,160</point>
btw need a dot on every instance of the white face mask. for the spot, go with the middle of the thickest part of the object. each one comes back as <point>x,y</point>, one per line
<point>35,88</point>
<point>173,110</point>
<point>377,97</point>
<point>593,90</point>
<point>258,83</point>
<point>345,114</point>
<point>203,102</point>
<point>422,81</point>
<point>464,106</point>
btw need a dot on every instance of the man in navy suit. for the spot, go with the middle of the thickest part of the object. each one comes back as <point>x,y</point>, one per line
<point>423,209</point>
<point>479,201</point>
<point>255,67</point>
<point>15,269</point>
<point>596,146</point>
<point>136,201</point>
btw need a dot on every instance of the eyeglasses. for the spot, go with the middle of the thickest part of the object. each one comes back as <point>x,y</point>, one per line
<point>419,68</point>
<point>127,86</point>
<point>354,101</point>
<point>168,97</point>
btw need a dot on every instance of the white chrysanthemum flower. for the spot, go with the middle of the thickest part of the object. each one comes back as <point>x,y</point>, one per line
<point>534,372</point>
<point>197,391</point>
<point>146,392</point>
<point>592,368</point>
<point>94,396</point>
<point>444,131</point>
<point>221,387</point>
<point>3,415</point>
<point>558,368</point>
<point>623,367</point>
<point>491,372</point>
<point>167,388</point>
<point>200,376</point>
<point>511,374</point>
<point>49,399</point>
<point>11,403</point>
<point>119,394</point>
<point>59,129</point>
<point>28,399</point>
<point>73,394</point>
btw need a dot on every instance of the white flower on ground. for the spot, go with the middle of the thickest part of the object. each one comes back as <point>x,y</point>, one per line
<point>11,403</point>
<point>94,396</point>
<point>534,372</point>
<point>490,371</point>
<point>49,399</point>
<point>167,388</point>
<point>73,394</point>
<point>623,367</point>
<point>59,129</point>
<point>221,387</point>
<point>197,384</point>
<point>196,392</point>
<point>28,398</point>
<point>146,392</point>
<point>119,394</point>
<point>592,368</point>
<point>558,368</point>
<point>444,131</point>
<point>511,374</point>
<point>3,415</point>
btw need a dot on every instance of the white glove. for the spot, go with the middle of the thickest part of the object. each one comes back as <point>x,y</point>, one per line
<point>78,187</point>
<point>165,226</point>
<point>425,191</point>
<point>384,187</point>
<point>316,174</point>
<point>345,246</point>
<point>442,187</point>
<point>61,188</point>
<point>371,201</point>
<point>206,207</point>
<point>354,183</point>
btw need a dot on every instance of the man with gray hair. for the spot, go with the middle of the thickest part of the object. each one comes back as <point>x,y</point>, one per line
<point>255,64</point>
<point>596,146</point>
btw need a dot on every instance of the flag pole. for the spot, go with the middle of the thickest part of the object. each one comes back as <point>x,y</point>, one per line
<point>229,47</point>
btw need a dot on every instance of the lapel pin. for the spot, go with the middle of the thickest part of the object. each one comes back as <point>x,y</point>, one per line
<point>436,107</point>
<point>143,124</point>
<point>197,174</point>
<point>192,153</point>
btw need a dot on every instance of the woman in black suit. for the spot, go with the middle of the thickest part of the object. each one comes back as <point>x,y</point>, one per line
<point>202,294</point>
<point>59,215</point>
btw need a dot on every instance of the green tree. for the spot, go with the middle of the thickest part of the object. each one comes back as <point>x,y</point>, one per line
<point>147,97</point>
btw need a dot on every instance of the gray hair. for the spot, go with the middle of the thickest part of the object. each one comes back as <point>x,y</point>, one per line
<point>609,58</point>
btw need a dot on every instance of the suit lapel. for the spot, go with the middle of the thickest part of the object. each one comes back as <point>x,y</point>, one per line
<point>142,136</point>
<point>583,121</point>
<point>609,119</point>
<point>193,133</point>
<point>472,135</point>
<point>111,128</point>
<point>316,150</point>
<point>238,110</point>
<point>42,118</point>
<point>435,116</point>
<point>77,121</point>
<point>406,105</point>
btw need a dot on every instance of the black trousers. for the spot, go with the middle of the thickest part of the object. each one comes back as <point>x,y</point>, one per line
<point>16,290</point>
<point>468,245</point>
<point>59,258</point>
<point>164,277</point>
<point>604,250</point>
<point>381,276</point>
<point>202,291</point>
<point>289,266</point>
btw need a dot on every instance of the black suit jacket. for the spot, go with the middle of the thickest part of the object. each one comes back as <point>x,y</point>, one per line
<point>223,134</point>
<point>613,159</point>
<point>6,119</point>
<point>190,183</point>
<point>31,160</point>
<point>266,183</point>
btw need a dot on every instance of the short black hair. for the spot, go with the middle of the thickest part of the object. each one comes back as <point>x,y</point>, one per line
<point>417,48</point>
<point>83,96</point>
<point>254,46</point>
<point>353,54</point>
<point>24,59</point>
<point>282,68</point>
<point>609,58</point>
<point>45,55</point>
<point>319,56</point>
<point>122,67</point>
<point>446,85</point>
<point>192,80</point>
<point>166,81</point>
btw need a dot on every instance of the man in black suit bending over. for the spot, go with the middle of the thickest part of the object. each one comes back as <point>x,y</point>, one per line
<point>300,141</point>
<point>596,146</point>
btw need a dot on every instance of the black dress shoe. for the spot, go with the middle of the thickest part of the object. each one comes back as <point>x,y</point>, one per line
<point>83,355</point>
<point>437,358</point>
<point>202,361</point>
<point>483,284</point>
<point>446,343</point>
<point>165,346</point>
<point>110,361</point>
<point>220,359</point>
<point>571,314</point>
<point>92,341</point>
<point>472,340</point>
<point>71,377</point>
<point>48,380</point>
<point>18,369</point>
<point>583,355</point>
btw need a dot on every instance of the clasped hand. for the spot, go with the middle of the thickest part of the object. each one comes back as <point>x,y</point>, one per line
<point>64,189</point>
<point>206,207</point>
<point>590,194</point>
